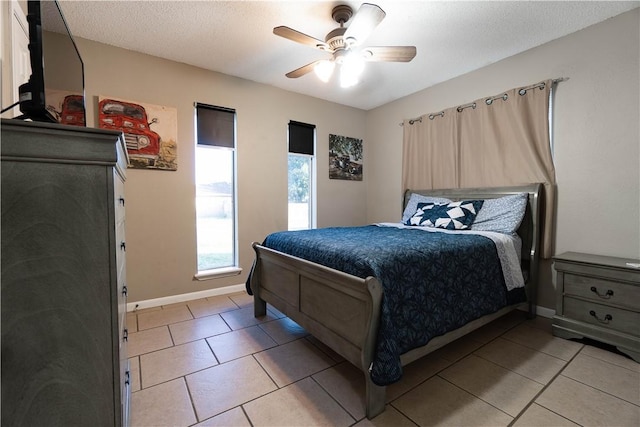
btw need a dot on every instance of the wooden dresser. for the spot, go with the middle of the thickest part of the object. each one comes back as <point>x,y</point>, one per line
<point>598,297</point>
<point>64,358</point>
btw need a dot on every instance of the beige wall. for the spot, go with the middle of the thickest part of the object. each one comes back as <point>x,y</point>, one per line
<point>161,234</point>
<point>596,134</point>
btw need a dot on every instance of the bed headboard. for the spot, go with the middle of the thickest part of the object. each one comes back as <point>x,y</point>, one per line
<point>529,230</point>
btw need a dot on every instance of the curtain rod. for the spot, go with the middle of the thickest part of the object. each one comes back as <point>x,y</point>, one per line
<point>488,101</point>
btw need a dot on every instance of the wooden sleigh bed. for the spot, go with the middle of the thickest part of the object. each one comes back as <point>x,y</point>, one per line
<point>343,311</point>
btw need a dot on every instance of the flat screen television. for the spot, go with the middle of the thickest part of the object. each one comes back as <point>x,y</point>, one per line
<point>55,90</point>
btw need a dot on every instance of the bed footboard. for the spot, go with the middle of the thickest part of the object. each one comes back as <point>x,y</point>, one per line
<point>339,309</point>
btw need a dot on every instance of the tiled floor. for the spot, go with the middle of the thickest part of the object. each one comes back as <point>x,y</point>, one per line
<point>209,362</point>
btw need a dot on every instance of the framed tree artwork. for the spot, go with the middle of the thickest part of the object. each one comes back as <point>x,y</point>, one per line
<point>345,158</point>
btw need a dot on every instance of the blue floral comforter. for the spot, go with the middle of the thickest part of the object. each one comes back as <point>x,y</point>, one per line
<point>432,282</point>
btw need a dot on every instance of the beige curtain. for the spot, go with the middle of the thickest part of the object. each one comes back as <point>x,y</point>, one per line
<point>425,140</point>
<point>497,141</point>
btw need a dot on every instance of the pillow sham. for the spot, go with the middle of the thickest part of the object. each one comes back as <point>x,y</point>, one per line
<point>502,215</point>
<point>412,204</point>
<point>450,216</point>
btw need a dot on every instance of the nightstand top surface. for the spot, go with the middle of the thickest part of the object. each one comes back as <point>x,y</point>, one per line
<point>607,261</point>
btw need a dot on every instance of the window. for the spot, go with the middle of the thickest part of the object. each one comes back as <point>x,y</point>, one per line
<point>301,176</point>
<point>215,188</point>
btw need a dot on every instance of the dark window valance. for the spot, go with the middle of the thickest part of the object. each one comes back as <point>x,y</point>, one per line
<point>301,138</point>
<point>215,125</point>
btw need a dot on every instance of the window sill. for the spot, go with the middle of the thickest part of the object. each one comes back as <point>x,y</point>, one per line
<point>217,273</point>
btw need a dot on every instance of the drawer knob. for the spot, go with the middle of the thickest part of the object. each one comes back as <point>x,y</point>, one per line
<point>124,291</point>
<point>606,295</point>
<point>607,318</point>
<point>121,200</point>
<point>125,335</point>
<point>123,246</point>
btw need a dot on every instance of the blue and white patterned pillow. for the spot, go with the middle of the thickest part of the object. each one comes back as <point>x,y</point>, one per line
<point>416,198</point>
<point>451,216</point>
<point>502,215</point>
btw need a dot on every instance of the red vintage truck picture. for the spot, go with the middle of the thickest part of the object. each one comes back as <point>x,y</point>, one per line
<point>72,112</point>
<point>143,144</point>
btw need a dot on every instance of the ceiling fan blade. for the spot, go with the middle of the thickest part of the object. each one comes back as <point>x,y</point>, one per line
<point>363,23</point>
<point>302,70</point>
<point>298,37</point>
<point>389,53</point>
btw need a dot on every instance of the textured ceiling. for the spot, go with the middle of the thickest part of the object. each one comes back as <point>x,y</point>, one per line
<point>236,37</point>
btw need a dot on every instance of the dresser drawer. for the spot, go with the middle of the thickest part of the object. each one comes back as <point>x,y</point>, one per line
<point>120,229</point>
<point>602,315</point>
<point>121,265</point>
<point>119,198</point>
<point>121,259</point>
<point>602,291</point>
<point>122,304</point>
<point>124,340</point>
<point>125,396</point>
<point>123,352</point>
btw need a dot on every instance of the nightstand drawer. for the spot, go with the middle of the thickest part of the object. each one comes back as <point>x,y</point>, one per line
<point>602,291</point>
<point>602,315</point>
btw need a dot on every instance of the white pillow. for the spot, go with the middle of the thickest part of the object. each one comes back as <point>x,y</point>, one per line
<point>412,205</point>
<point>502,215</point>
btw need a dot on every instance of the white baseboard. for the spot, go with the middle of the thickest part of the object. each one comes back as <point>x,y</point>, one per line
<point>540,311</point>
<point>156,302</point>
<point>545,312</point>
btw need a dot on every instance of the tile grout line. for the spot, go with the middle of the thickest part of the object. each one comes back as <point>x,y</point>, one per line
<point>244,411</point>
<point>453,362</point>
<point>193,405</point>
<point>331,396</point>
<point>511,370</point>
<point>214,354</point>
<point>532,348</point>
<point>437,373</point>
<point>610,363</point>
<point>266,372</point>
<point>545,387</point>
<point>212,351</point>
<point>532,401</point>
<point>601,391</point>
<point>259,397</point>
<point>472,394</point>
<point>407,416</point>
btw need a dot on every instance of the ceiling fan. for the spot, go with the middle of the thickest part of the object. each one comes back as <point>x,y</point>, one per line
<point>344,43</point>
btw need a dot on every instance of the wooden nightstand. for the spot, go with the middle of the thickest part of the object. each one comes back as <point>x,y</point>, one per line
<point>598,297</point>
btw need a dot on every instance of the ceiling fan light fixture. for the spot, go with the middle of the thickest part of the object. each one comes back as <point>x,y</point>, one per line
<point>351,69</point>
<point>343,41</point>
<point>324,69</point>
